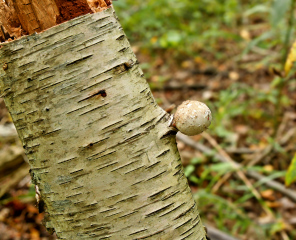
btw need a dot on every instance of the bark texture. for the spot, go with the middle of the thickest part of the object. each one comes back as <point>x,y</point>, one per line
<point>95,137</point>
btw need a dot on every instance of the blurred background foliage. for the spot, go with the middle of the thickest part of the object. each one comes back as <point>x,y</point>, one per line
<point>201,25</point>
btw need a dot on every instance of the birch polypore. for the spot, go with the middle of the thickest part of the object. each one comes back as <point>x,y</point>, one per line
<point>192,118</point>
<point>95,138</point>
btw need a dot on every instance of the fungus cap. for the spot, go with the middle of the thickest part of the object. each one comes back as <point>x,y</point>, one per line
<point>192,117</point>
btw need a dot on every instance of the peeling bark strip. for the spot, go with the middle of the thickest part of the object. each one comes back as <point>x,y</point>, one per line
<point>93,134</point>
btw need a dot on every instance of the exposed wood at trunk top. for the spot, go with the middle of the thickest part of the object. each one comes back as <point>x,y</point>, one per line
<point>36,16</point>
<point>10,26</point>
<point>99,5</point>
<point>71,9</point>
<point>22,17</point>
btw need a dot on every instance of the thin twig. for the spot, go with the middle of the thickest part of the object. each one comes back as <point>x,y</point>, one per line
<point>264,180</point>
<point>240,174</point>
<point>216,234</point>
<point>280,137</point>
<point>241,150</point>
<point>261,156</point>
<point>221,182</point>
<point>179,87</point>
<point>284,235</point>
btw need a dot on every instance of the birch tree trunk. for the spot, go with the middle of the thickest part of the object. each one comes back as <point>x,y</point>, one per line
<point>98,144</point>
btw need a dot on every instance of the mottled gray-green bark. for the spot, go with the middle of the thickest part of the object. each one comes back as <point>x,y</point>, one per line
<point>94,136</point>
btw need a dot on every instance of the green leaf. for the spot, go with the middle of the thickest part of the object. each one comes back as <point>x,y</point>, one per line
<point>256,9</point>
<point>189,170</point>
<point>171,39</point>
<point>195,161</point>
<point>263,37</point>
<point>221,167</point>
<point>278,11</point>
<point>194,179</point>
<point>277,227</point>
<point>291,173</point>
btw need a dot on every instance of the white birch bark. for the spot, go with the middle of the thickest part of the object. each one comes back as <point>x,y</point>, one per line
<point>94,135</point>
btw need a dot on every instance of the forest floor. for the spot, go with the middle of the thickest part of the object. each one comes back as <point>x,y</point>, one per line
<point>254,125</point>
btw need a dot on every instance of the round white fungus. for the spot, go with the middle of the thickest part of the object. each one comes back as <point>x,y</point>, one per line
<point>192,118</point>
